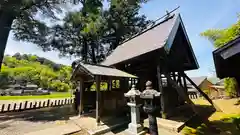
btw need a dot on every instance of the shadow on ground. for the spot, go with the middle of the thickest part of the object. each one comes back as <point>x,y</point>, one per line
<point>223,126</point>
<point>226,127</point>
<point>44,114</point>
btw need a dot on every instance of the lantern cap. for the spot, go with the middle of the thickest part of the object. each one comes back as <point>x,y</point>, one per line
<point>133,92</point>
<point>149,92</point>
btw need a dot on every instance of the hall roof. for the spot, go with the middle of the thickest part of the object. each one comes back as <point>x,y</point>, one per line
<point>197,80</point>
<point>91,70</point>
<point>159,36</point>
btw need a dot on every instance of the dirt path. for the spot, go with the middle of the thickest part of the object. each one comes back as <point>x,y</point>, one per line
<point>29,121</point>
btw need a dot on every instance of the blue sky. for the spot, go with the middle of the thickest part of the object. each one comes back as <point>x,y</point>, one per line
<point>197,15</point>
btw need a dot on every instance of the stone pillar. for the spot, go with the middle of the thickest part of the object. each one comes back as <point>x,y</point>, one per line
<point>135,127</point>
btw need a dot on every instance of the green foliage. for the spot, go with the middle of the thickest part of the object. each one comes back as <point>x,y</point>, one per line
<point>22,71</point>
<point>52,95</point>
<point>90,33</point>
<point>230,85</point>
<point>220,37</point>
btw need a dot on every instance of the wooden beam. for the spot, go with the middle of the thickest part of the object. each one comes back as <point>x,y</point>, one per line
<point>162,100</point>
<point>109,86</point>
<point>98,100</point>
<point>179,79</point>
<point>185,84</point>
<point>174,76</point>
<point>181,92</point>
<point>81,87</point>
<point>202,93</point>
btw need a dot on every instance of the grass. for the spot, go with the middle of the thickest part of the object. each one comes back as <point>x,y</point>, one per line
<point>225,121</point>
<point>53,95</point>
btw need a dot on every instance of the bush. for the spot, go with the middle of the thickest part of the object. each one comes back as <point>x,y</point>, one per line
<point>230,85</point>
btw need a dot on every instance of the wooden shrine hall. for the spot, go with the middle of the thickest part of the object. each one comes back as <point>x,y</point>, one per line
<point>105,101</point>
<point>160,54</point>
<point>226,60</point>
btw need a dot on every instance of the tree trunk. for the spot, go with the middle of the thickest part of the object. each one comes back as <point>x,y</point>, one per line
<point>5,27</point>
<point>94,60</point>
<point>85,51</point>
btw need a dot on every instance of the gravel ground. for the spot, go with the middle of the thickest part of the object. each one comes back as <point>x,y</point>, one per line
<point>29,121</point>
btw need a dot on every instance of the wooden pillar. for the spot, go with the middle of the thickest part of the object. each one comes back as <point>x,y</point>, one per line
<point>185,84</point>
<point>174,76</point>
<point>109,84</point>
<point>160,87</point>
<point>81,88</point>
<point>98,100</point>
<point>179,79</point>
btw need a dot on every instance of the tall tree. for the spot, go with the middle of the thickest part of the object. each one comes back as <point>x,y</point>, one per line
<point>123,21</point>
<point>93,35</point>
<point>90,33</point>
<point>20,16</point>
<point>79,33</point>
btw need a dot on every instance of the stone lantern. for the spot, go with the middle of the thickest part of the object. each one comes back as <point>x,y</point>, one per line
<point>149,107</point>
<point>135,127</point>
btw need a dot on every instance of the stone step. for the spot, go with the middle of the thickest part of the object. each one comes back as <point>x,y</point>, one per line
<point>105,129</point>
<point>170,125</point>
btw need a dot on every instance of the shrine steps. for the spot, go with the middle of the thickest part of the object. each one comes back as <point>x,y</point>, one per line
<point>170,125</point>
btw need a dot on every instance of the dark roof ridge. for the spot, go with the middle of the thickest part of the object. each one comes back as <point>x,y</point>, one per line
<point>147,29</point>
<point>96,65</point>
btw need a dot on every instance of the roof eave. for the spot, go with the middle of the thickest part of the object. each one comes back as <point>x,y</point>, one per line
<point>84,70</point>
<point>172,35</point>
<point>225,46</point>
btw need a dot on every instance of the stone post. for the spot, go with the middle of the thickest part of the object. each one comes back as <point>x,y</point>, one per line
<point>149,107</point>
<point>135,127</point>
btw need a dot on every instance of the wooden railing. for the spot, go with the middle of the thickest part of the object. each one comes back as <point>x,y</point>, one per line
<point>27,105</point>
<point>193,96</point>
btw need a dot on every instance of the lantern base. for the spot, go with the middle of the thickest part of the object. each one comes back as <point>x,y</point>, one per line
<point>135,129</point>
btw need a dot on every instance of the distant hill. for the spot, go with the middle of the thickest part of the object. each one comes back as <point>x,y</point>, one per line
<point>26,68</point>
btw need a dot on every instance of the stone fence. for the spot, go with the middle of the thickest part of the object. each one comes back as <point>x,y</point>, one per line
<point>28,105</point>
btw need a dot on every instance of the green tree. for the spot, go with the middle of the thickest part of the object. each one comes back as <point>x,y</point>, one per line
<point>4,77</point>
<point>28,71</point>
<point>93,32</point>
<point>20,17</point>
<point>230,85</point>
<point>219,37</point>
